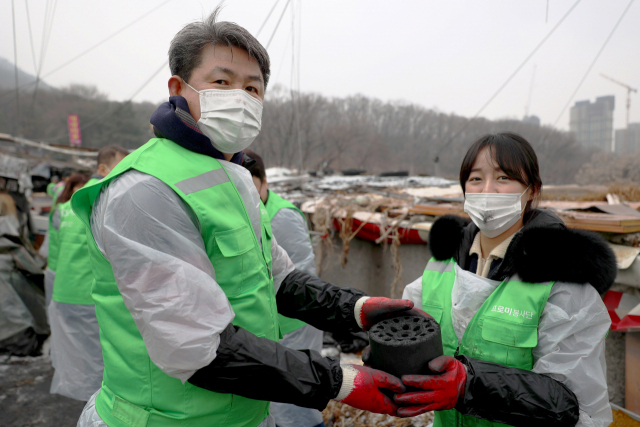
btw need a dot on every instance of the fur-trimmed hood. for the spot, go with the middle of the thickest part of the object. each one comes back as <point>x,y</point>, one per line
<point>544,250</point>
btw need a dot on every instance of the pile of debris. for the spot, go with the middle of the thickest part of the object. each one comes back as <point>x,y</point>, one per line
<point>400,210</point>
<point>337,414</point>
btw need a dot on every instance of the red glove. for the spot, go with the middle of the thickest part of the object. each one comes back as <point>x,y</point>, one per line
<point>442,391</point>
<point>361,389</point>
<point>371,310</point>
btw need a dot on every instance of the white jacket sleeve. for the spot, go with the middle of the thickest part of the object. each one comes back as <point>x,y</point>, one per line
<point>413,292</point>
<point>293,237</point>
<point>152,240</point>
<point>571,338</point>
<point>281,263</point>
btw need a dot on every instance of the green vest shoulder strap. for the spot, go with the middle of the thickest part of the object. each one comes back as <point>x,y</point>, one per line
<point>503,331</point>
<point>135,392</point>
<point>275,203</point>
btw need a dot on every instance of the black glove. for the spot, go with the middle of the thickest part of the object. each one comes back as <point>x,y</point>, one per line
<point>318,303</point>
<point>261,369</point>
<point>516,397</point>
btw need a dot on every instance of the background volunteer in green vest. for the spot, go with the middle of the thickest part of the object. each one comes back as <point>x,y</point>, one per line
<point>49,248</point>
<point>76,353</point>
<point>289,227</point>
<point>54,189</point>
<point>188,274</point>
<point>52,241</point>
<point>516,294</point>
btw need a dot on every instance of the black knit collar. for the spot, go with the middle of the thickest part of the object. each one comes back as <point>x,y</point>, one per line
<point>543,251</point>
<point>173,120</point>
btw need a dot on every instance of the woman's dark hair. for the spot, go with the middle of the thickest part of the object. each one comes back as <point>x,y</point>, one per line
<point>257,169</point>
<point>74,180</point>
<point>514,155</point>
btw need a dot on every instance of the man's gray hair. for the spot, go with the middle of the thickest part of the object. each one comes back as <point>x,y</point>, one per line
<point>185,52</point>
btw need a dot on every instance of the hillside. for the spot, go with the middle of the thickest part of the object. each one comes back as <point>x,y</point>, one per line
<point>325,133</point>
<point>8,73</point>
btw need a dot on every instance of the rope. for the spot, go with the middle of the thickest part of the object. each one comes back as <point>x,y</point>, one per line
<point>342,209</point>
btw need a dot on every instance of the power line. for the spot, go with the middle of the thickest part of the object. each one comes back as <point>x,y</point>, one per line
<point>584,77</point>
<point>267,18</point>
<point>33,50</point>
<point>46,37</point>
<point>15,60</point>
<point>517,70</point>
<point>115,109</point>
<point>528,106</point>
<point>44,32</point>
<point>546,16</point>
<point>294,80</point>
<point>42,49</point>
<point>106,39</point>
<point>278,24</point>
<point>282,61</point>
<point>299,41</point>
<point>148,81</point>
<point>96,45</point>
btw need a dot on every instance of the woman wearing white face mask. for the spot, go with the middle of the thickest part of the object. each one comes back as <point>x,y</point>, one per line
<point>516,294</point>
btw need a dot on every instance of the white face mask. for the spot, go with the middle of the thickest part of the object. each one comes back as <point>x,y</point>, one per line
<point>494,213</point>
<point>230,118</point>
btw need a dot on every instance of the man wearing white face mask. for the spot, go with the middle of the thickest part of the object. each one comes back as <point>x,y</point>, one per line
<point>189,279</point>
<point>516,295</point>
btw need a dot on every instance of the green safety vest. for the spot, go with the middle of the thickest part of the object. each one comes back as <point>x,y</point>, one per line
<point>135,392</point>
<point>50,187</point>
<point>54,193</point>
<point>274,204</point>
<point>54,243</point>
<point>74,277</point>
<point>503,331</point>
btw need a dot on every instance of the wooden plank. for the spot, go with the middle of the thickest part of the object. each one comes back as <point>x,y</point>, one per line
<point>439,210</point>
<point>599,218</point>
<point>632,372</point>
<point>604,228</point>
<point>582,220</point>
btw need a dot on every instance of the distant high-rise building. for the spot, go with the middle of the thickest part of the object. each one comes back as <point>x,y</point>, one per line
<point>592,123</point>
<point>532,120</point>
<point>633,145</point>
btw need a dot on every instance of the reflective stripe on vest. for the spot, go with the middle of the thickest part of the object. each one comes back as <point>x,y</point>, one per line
<point>440,266</point>
<point>135,392</point>
<point>74,277</point>
<point>203,181</point>
<point>503,331</point>
<point>275,203</point>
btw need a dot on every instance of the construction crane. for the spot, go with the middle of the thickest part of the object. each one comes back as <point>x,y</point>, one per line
<point>629,90</point>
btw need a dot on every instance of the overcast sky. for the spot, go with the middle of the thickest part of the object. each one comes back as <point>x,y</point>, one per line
<point>449,55</point>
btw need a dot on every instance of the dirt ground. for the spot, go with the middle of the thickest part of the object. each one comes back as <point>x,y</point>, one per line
<point>25,400</point>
